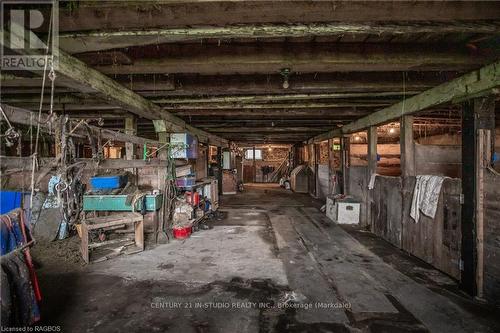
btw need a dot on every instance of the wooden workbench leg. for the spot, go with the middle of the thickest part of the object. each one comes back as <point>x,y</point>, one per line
<point>84,246</point>
<point>139,234</point>
<point>157,227</point>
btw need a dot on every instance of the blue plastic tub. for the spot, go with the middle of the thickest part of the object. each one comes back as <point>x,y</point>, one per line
<point>9,200</point>
<point>108,182</point>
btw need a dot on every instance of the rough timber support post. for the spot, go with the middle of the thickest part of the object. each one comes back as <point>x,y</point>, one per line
<point>163,137</point>
<point>331,169</point>
<point>130,129</point>
<point>254,165</point>
<point>163,130</point>
<point>408,171</point>
<point>407,147</point>
<point>372,169</point>
<point>345,144</point>
<point>477,128</point>
<point>130,148</point>
<point>219,166</point>
<point>315,153</point>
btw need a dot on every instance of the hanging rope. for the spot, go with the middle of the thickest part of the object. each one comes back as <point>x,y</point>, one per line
<point>52,77</point>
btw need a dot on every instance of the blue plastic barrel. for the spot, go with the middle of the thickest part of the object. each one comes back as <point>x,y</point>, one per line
<point>9,200</point>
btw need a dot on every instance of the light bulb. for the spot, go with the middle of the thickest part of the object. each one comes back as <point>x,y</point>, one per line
<point>286,84</point>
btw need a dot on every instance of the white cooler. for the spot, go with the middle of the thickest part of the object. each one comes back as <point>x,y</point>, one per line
<point>348,212</point>
<point>343,210</point>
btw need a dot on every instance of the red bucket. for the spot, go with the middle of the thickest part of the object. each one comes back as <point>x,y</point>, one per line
<point>182,232</point>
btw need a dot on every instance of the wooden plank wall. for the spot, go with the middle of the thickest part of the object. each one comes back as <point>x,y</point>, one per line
<point>492,237</point>
<point>311,163</point>
<point>387,208</point>
<point>437,241</point>
<point>438,160</point>
<point>323,181</point>
<point>358,187</point>
<point>201,162</point>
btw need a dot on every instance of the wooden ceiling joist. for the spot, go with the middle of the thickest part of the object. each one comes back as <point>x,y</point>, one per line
<point>223,102</point>
<point>123,15</point>
<point>298,57</point>
<point>88,41</point>
<point>288,106</point>
<point>126,98</point>
<point>269,130</point>
<point>116,94</point>
<point>194,85</point>
<point>217,68</point>
<point>255,123</point>
<point>275,113</point>
<point>474,84</point>
<point>276,98</point>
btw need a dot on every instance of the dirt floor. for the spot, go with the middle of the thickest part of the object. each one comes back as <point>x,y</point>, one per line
<point>271,263</point>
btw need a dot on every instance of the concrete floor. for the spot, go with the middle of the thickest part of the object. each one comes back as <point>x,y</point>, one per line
<point>272,264</point>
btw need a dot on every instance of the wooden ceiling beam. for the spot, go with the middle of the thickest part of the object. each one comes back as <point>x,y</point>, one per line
<point>485,80</point>
<point>195,85</point>
<point>259,146</point>
<point>87,41</point>
<point>284,138</point>
<point>273,113</point>
<point>116,94</point>
<point>303,83</point>
<point>8,79</point>
<point>69,107</point>
<point>248,99</point>
<point>78,110</point>
<point>143,14</point>
<point>58,99</point>
<point>221,123</point>
<point>299,58</point>
<point>286,106</point>
<point>268,130</point>
<point>243,102</point>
